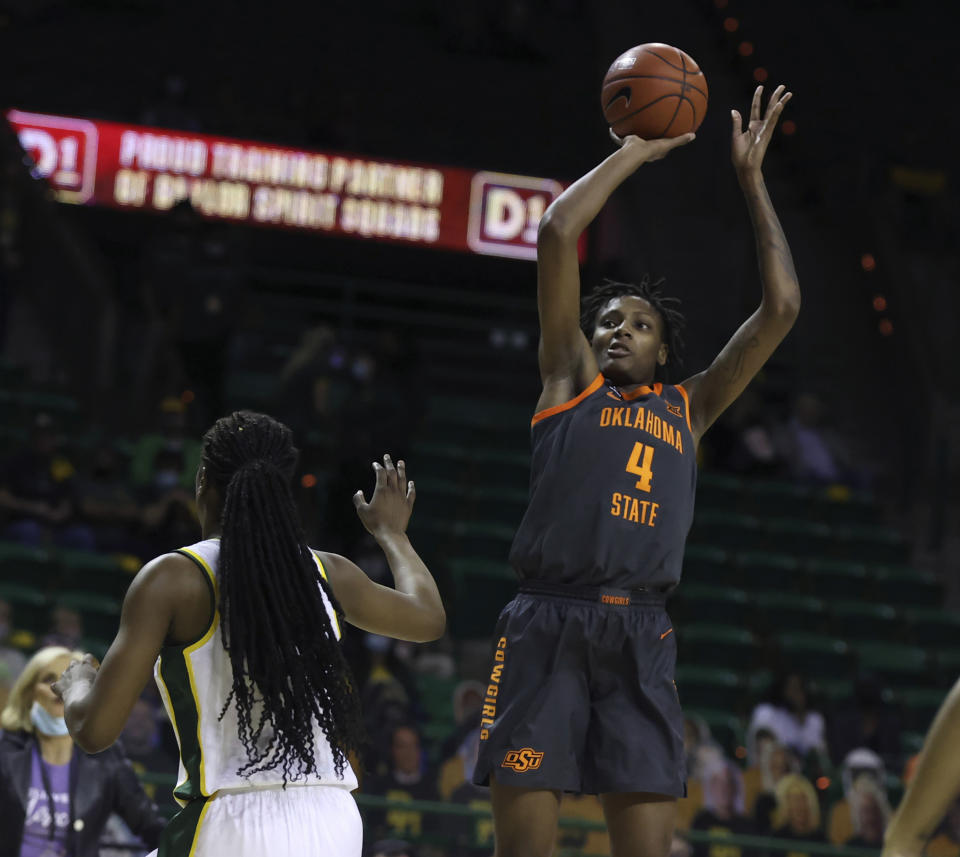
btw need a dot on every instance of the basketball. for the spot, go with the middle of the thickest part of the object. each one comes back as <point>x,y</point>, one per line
<point>654,90</point>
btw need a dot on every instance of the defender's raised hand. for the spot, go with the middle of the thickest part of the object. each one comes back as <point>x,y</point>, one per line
<point>388,511</point>
<point>750,144</point>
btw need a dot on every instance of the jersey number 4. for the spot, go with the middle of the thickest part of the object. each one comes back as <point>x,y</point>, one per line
<point>641,464</point>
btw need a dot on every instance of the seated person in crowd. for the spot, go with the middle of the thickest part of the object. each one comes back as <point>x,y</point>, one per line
<point>723,811</point>
<point>798,812</point>
<point>459,749</point>
<point>870,811</point>
<point>788,716</point>
<point>700,752</point>
<point>859,764</point>
<point>776,762</point>
<point>470,836</point>
<point>37,493</point>
<point>408,777</point>
<point>868,722</point>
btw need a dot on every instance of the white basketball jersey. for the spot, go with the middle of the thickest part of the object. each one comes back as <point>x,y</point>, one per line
<point>195,681</point>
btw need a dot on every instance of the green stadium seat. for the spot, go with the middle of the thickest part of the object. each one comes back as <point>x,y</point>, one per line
<point>762,570</point>
<point>440,499</point>
<point>701,602</point>
<point>31,607</point>
<point>861,620</point>
<point>95,573</point>
<point>717,645</point>
<point>719,491</point>
<point>30,566</point>
<point>870,544</point>
<point>837,579</point>
<point>439,461</point>
<point>920,705</point>
<point>948,666</point>
<point>489,541</point>
<point>503,506</point>
<point>912,742</point>
<point>246,389</point>
<point>101,616</point>
<point>759,683</point>
<point>728,530</point>
<point>846,510</point>
<point>482,589</point>
<point>797,537</point>
<point>502,467</point>
<point>906,586</point>
<point>708,564</point>
<point>779,499</point>
<point>713,688</point>
<point>816,655</point>
<point>781,611</point>
<point>902,666</point>
<point>726,728</point>
<point>436,696</point>
<point>933,627</point>
<point>834,690</point>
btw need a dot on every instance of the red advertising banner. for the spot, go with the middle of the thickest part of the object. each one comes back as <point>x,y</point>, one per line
<point>89,162</point>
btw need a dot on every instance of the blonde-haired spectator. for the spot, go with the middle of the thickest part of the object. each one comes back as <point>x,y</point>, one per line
<point>57,799</point>
<point>797,815</point>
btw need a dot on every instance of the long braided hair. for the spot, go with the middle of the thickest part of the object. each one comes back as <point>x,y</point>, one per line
<point>288,669</point>
<point>667,307</point>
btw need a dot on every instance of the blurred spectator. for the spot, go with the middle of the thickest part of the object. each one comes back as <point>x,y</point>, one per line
<point>308,398</point>
<point>12,661</point>
<point>108,505</point>
<point>66,628</point>
<point>56,799</point>
<point>168,458</point>
<point>37,493</point>
<point>467,702</point>
<point>776,763</point>
<point>701,751</point>
<point>858,766</point>
<point>816,454</point>
<point>472,837</point>
<point>747,441</point>
<point>408,777</point>
<point>723,811</point>
<point>869,723</point>
<point>388,695</point>
<point>798,811</point>
<point>787,716</point>
<point>143,741</point>
<point>871,813</point>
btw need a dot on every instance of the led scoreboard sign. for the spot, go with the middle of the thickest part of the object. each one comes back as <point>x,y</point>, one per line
<point>89,162</point>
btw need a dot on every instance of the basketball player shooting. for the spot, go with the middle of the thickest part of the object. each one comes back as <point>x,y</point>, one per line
<point>581,696</point>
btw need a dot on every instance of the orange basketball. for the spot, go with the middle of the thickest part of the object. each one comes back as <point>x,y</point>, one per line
<point>654,90</point>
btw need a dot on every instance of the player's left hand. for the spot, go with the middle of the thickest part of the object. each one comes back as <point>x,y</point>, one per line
<point>77,672</point>
<point>750,145</point>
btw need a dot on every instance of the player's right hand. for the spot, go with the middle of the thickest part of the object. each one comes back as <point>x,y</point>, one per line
<point>388,511</point>
<point>651,150</point>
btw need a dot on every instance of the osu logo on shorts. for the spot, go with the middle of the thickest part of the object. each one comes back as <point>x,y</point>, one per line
<point>526,759</point>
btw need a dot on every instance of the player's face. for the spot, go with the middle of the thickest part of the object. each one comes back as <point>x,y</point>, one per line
<point>628,341</point>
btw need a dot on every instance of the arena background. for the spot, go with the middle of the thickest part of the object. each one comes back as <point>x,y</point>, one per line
<point>122,326</point>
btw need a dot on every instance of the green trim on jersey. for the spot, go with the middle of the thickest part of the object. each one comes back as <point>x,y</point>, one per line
<point>179,838</point>
<point>176,674</point>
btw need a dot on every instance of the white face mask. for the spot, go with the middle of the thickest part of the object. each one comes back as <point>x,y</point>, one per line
<point>45,723</point>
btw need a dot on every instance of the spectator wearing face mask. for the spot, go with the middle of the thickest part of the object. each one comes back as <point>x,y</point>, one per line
<point>723,811</point>
<point>55,800</point>
<point>859,765</point>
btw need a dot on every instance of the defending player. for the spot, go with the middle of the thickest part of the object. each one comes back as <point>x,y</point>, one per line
<point>581,695</point>
<point>243,628</point>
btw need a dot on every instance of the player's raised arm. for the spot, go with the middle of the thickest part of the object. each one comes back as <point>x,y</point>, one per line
<point>413,611</point>
<point>567,364</point>
<point>714,389</point>
<point>935,784</point>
